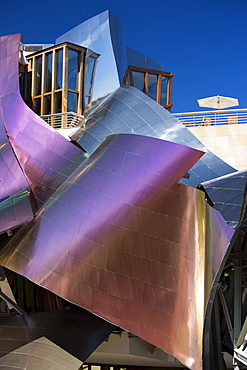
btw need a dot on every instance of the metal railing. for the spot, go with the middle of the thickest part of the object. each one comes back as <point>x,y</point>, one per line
<point>63,120</point>
<point>214,117</point>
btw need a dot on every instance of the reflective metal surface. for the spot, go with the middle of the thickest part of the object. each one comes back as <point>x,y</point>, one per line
<point>40,354</point>
<point>12,178</point>
<point>128,110</point>
<point>115,233</point>
<point>134,58</point>
<point>122,232</point>
<point>15,206</point>
<point>98,34</point>
<point>104,35</point>
<point>45,158</point>
<point>15,210</point>
<point>227,194</point>
<point>76,332</point>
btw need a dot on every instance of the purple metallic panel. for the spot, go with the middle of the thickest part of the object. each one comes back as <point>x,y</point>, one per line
<point>15,211</point>
<point>12,179</point>
<point>227,194</point>
<point>46,157</point>
<point>76,332</point>
<point>136,256</point>
<point>15,207</point>
<point>117,235</point>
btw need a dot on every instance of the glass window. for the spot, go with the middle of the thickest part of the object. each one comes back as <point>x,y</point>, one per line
<point>90,68</point>
<point>138,78</point>
<point>73,69</point>
<point>29,85</point>
<point>38,75</point>
<point>59,69</point>
<point>163,96</point>
<point>48,72</point>
<point>37,105</point>
<point>87,98</point>
<point>72,102</point>
<point>152,86</point>
<point>47,104</point>
<point>22,84</point>
<point>58,102</point>
<point>57,77</point>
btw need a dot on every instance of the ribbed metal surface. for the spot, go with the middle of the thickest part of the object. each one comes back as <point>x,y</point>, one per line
<point>228,195</point>
<point>122,239</point>
<point>15,210</point>
<point>76,332</point>
<point>117,234</point>
<point>128,110</point>
<point>44,155</point>
<point>41,354</point>
<point>15,206</point>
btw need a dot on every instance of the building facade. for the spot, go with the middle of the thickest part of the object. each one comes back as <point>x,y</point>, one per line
<point>118,236</point>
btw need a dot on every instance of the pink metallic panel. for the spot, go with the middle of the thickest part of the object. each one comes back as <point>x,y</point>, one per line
<point>12,179</point>
<point>137,256</point>
<point>45,157</point>
<point>15,210</point>
<point>117,235</point>
<point>15,206</point>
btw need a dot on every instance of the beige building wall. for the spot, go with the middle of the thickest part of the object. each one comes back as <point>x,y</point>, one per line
<point>228,142</point>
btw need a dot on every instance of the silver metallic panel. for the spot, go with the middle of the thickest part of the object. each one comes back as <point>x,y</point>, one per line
<point>122,239</point>
<point>228,196</point>
<point>76,332</point>
<point>116,234</point>
<point>128,110</point>
<point>41,354</point>
<point>44,156</point>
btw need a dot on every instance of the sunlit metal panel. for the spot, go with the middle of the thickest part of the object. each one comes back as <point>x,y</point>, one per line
<point>227,194</point>
<point>45,157</point>
<point>122,239</point>
<point>15,206</point>
<point>39,354</point>
<point>76,332</point>
<point>118,236</point>
<point>15,210</point>
<point>128,110</point>
<point>104,35</point>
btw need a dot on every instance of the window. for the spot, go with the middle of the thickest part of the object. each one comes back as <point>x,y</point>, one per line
<point>38,74</point>
<point>90,69</point>
<point>59,79</point>
<point>156,84</point>
<point>139,80</point>
<point>59,69</point>
<point>73,69</point>
<point>48,72</point>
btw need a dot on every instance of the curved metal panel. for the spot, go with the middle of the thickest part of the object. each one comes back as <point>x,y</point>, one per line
<point>227,194</point>
<point>40,354</point>
<point>104,35</point>
<point>12,178</point>
<point>15,211</point>
<point>76,332</point>
<point>128,110</point>
<point>117,235</point>
<point>96,34</point>
<point>15,206</point>
<point>45,157</point>
<point>134,58</point>
<point>122,239</point>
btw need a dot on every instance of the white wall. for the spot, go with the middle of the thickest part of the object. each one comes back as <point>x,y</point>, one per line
<point>229,142</point>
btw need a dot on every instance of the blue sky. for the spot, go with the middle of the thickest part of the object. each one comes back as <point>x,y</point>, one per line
<point>203,42</point>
